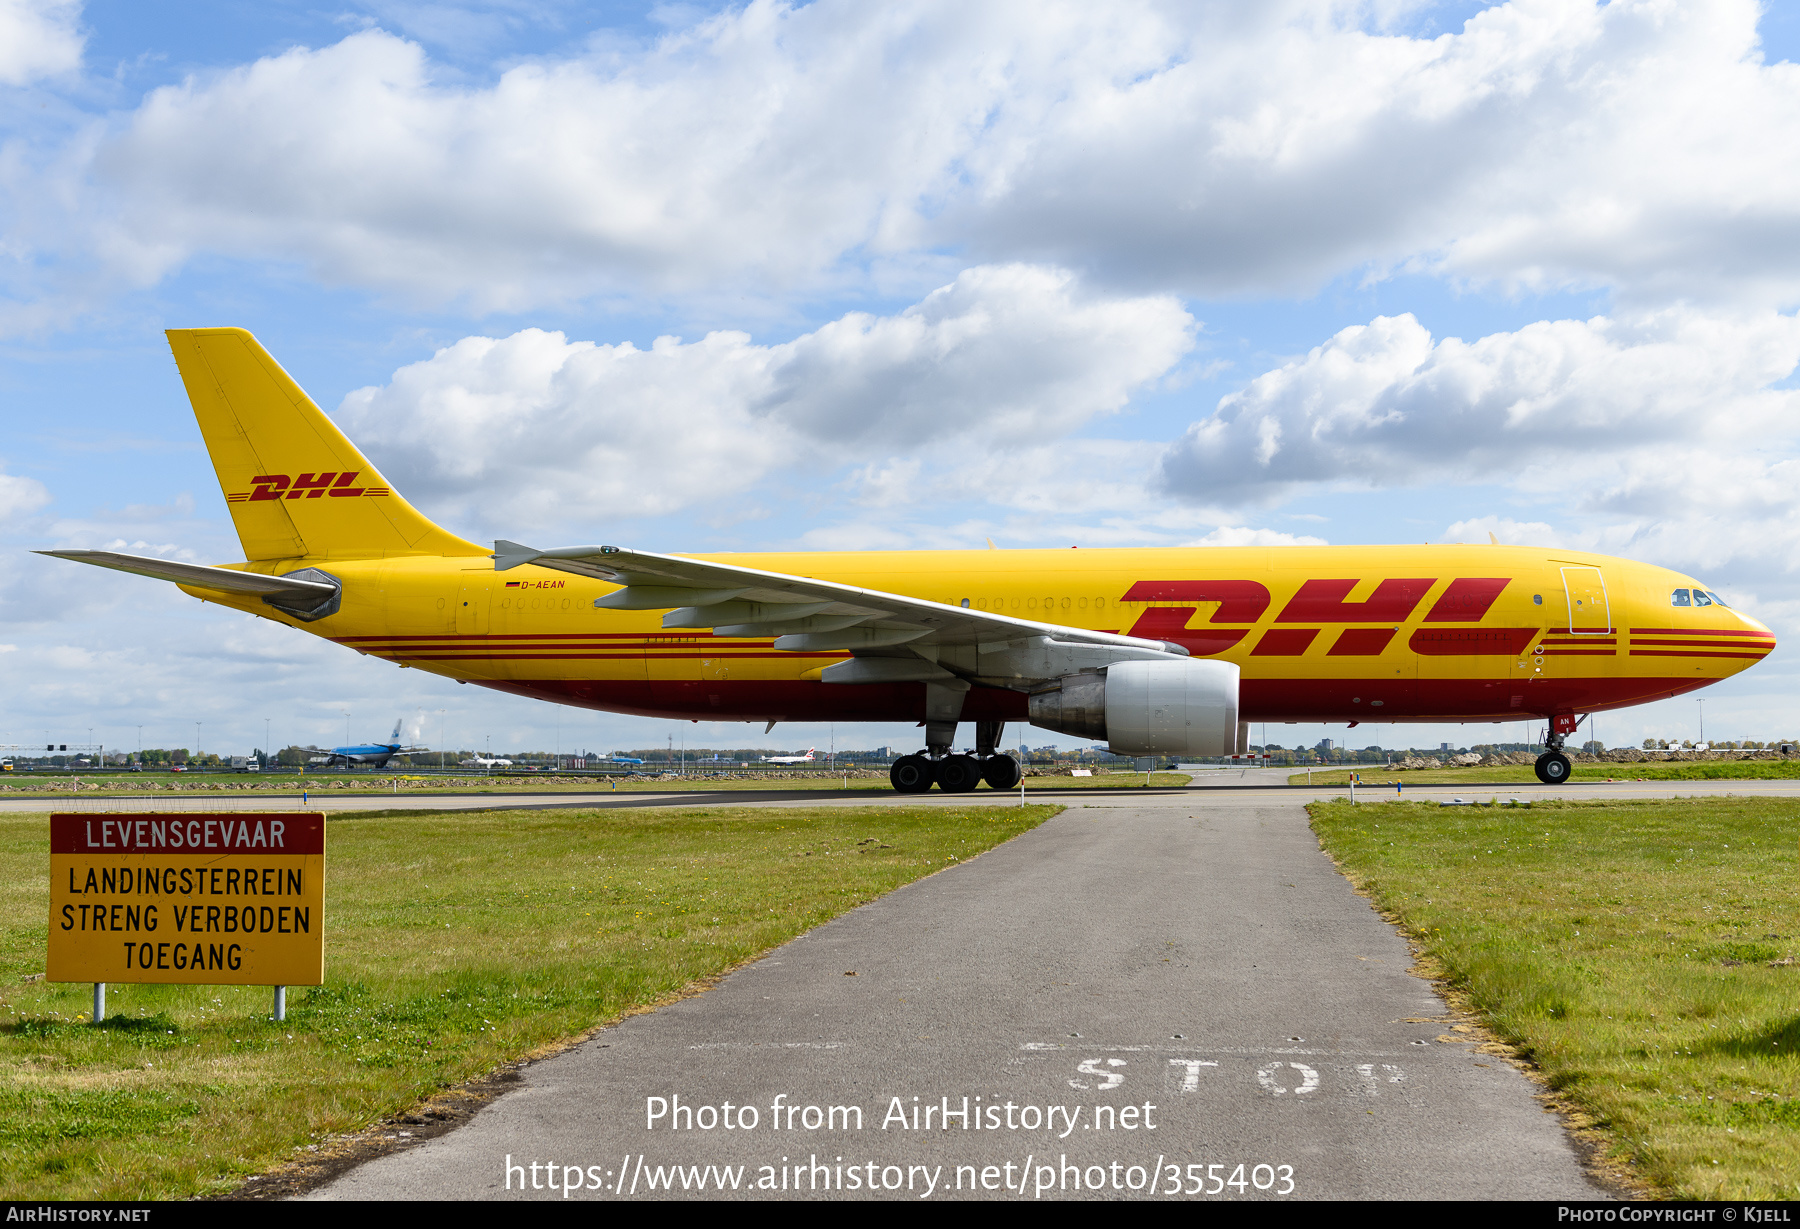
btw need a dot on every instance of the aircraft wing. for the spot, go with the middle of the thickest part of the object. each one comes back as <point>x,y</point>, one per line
<point>892,636</point>
<point>225,580</point>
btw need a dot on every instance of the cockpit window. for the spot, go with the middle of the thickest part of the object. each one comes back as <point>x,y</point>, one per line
<point>1702,598</point>
<point>1681,598</point>
<point>1716,599</point>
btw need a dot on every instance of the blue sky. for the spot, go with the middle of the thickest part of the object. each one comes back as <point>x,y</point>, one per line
<point>1046,273</point>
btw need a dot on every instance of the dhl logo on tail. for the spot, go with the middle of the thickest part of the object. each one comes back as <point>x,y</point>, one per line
<point>305,486</point>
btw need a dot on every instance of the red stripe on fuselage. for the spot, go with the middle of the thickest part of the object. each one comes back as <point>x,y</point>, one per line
<point>1692,653</point>
<point>1693,631</point>
<point>1710,644</point>
<point>1472,642</point>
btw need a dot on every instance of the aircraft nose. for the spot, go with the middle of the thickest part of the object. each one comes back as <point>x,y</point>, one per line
<point>1755,637</point>
<point>1754,625</point>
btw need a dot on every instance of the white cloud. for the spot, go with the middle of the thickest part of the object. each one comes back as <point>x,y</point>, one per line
<point>533,430</point>
<point>1241,535</point>
<point>1040,472</point>
<point>1547,144</point>
<point>38,38</point>
<point>1508,531</point>
<point>758,147</point>
<point>20,496</point>
<point>1037,529</point>
<point>1568,405</point>
<point>1205,148</point>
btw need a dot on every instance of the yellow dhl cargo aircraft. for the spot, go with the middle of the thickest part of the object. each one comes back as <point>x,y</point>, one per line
<point>1157,651</point>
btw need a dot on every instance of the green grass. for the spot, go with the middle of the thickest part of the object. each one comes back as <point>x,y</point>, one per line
<point>1625,948</point>
<point>1674,770</point>
<point>454,943</point>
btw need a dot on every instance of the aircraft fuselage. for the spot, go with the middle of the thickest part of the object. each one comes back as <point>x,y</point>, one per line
<point>1320,634</point>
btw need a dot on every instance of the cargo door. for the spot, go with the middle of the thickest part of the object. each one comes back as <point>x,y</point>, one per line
<point>472,603</point>
<point>1589,613</point>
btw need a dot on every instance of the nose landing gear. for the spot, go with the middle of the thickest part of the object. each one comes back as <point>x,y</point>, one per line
<point>1553,766</point>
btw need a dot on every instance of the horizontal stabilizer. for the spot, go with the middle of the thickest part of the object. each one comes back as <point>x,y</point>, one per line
<point>199,575</point>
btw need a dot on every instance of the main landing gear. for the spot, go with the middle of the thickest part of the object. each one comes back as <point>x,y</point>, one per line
<point>1553,766</point>
<point>955,774</point>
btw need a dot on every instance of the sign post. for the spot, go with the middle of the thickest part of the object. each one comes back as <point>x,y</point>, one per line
<point>187,899</point>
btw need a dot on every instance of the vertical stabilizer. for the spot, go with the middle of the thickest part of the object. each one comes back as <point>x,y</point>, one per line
<point>294,484</point>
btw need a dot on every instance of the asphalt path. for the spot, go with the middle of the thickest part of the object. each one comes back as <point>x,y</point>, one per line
<point>1156,994</point>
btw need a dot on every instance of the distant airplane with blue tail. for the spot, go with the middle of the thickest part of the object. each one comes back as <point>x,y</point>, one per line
<point>375,755</point>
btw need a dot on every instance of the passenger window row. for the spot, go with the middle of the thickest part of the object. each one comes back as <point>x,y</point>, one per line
<point>1031,603</point>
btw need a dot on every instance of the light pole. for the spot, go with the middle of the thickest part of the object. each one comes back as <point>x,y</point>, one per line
<point>196,741</point>
<point>1702,704</point>
<point>440,713</point>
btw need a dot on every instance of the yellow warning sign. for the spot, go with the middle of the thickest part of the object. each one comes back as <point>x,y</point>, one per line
<point>234,900</point>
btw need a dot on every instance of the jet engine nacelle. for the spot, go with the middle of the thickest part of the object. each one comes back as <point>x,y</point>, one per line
<point>1148,707</point>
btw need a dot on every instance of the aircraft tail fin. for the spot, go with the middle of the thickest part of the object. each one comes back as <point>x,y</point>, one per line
<point>294,484</point>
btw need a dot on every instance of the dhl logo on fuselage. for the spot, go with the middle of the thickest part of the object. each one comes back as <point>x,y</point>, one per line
<point>1466,600</point>
<point>305,486</point>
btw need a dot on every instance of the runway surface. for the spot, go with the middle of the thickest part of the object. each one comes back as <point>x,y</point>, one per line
<point>1173,995</point>
<point>1234,787</point>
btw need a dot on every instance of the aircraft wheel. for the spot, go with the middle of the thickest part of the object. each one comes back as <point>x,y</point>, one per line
<point>911,774</point>
<point>958,774</point>
<point>1000,772</point>
<point>1553,768</point>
